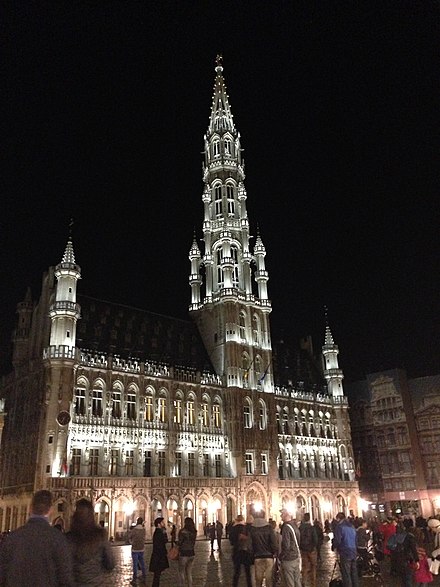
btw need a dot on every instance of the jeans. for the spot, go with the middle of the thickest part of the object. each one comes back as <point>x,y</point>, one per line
<point>138,559</point>
<point>241,558</point>
<point>291,573</point>
<point>263,569</point>
<point>185,565</point>
<point>309,564</point>
<point>349,572</point>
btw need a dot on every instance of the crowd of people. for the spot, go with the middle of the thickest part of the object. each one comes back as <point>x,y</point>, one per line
<point>40,555</point>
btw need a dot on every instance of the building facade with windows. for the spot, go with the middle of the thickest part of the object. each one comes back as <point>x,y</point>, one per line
<point>148,415</point>
<point>396,438</point>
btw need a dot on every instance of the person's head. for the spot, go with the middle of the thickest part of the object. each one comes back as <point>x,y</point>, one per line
<point>188,524</point>
<point>306,517</point>
<point>286,516</point>
<point>340,516</point>
<point>260,514</point>
<point>408,523</point>
<point>41,503</point>
<point>139,521</point>
<point>250,519</point>
<point>239,519</point>
<point>159,522</point>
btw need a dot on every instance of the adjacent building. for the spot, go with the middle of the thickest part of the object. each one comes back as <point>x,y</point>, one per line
<point>149,415</point>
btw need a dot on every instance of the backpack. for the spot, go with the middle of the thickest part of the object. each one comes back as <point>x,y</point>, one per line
<point>396,541</point>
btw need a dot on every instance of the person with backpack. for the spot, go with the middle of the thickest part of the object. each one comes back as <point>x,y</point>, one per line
<point>404,556</point>
<point>240,540</point>
<point>308,545</point>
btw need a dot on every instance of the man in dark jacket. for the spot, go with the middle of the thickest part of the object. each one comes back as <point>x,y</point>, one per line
<point>265,547</point>
<point>344,542</point>
<point>405,553</point>
<point>239,537</point>
<point>290,555</point>
<point>36,555</point>
<point>309,551</point>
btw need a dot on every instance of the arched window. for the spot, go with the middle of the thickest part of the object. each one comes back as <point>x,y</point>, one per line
<point>234,256</point>
<point>230,199</point>
<point>247,413</point>
<point>131,406</point>
<point>116,403</point>
<point>149,412</point>
<point>204,412</point>
<point>97,402</point>
<point>255,329</point>
<point>190,412</point>
<point>162,409</point>
<point>177,411</point>
<point>216,148</point>
<point>218,200</point>
<point>220,278</point>
<point>80,401</point>
<point>242,325</point>
<point>216,418</point>
<point>262,415</point>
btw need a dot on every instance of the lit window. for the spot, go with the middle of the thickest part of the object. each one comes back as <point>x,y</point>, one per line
<point>216,415</point>
<point>149,409</point>
<point>178,411</point>
<point>162,409</point>
<point>190,413</point>
<point>205,415</point>
<point>262,417</point>
<point>129,458</point>
<point>247,416</point>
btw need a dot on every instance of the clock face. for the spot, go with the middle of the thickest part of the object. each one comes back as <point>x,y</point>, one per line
<point>63,418</point>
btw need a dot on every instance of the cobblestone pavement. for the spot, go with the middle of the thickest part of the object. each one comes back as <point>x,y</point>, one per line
<point>212,570</point>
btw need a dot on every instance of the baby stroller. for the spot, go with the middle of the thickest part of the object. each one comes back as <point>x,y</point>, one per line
<point>368,565</point>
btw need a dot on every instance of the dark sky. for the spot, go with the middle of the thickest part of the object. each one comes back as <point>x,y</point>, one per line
<point>337,105</point>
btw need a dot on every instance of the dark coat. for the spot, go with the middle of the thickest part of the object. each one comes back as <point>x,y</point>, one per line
<point>159,559</point>
<point>92,557</point>
<point>35,555</point>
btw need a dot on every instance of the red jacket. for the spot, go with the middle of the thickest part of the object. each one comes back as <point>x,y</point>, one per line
<point>387,529</point>
<point>422,574</point>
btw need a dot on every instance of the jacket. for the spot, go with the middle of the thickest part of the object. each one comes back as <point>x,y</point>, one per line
<point>137,538</point>
<point>289,546</point>
<point>36,555</point>
<point>159,559</point>
<point>92,558</point>
<point>344,540</point>
<point>308,537</point>
<point>264,542</point>
<point>186,541</point>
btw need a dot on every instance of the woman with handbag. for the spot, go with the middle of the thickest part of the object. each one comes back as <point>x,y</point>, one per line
<point>186,540</point>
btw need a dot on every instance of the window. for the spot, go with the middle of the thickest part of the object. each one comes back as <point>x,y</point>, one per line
<point>161,463</point>
<point>149,408</point>
<point>219,268</point>
<point>131,407</point>
<point>218,200</point>
<point>178,468</point>
<point>206,465</point>
<point>247,420</point>
<point>242,326</point>
<point>218,465</point>
<point>234,255</point>
<point>216,415</point>
<point>216,149</point>
<point>262,417</point>
<point>191,464</point>
<point>93,461</point>
<point>230,200</point>
<point>114,462</point>
<point>147,463</point>
<point>205,415</point>
<point>228,147</point>
<point>264,469</point>
<point>162,409</point>
<point>116,404</point>
<point>97,402</point>
<point>80,404</point>
<point>76,461</point>
<point>177,411</point>
<point>190,413</point>
<point>249,463</point>
<point>129,458</point>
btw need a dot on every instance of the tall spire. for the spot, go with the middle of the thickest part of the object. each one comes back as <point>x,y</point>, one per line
<point>233,302</point>
<point>332,373</point>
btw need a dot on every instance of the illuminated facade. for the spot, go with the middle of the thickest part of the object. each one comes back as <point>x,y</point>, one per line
<point>149,415</point>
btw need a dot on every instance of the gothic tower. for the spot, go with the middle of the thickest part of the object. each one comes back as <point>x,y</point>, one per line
<point>229,300</point>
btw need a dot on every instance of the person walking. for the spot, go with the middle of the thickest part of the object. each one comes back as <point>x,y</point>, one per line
<point>186,540</point>
<point>308,545</point>
<point>320,534</point>
<point>240,540</point>
<point>211,535</point>
<point>136,536</point>
<point>219,534</point>
<point>344,542</point>
<point>36,554</point>
<point>404,555</point>
<point>173,534</point>
<point>92,552</point>
<point>264,547</point>
<point>290,554</point>
<point>159,559</point>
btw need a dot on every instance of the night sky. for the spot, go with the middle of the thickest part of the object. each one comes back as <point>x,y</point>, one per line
<point>337,105</point>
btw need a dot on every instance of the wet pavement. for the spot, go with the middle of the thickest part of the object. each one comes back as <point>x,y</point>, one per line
<point>212,570</point>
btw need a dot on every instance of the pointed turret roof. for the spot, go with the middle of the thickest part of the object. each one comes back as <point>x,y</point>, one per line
<point>69,255</point>
<point>328,336</point>
<point>221,116</point>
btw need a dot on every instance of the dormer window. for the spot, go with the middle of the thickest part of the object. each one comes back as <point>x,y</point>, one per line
<point>216,149</point>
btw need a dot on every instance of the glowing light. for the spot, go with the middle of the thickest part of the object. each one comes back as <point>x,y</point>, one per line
<point>258,506</point>
<point>128,508</point>
<point>364,505</point>
<point>327,507</point>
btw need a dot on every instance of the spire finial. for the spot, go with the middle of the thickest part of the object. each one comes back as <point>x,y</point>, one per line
<point>71,228</point>
<point>219,63</point>
<point>326,314</point>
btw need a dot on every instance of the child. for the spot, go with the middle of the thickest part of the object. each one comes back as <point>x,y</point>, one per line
<point>422,575</point>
